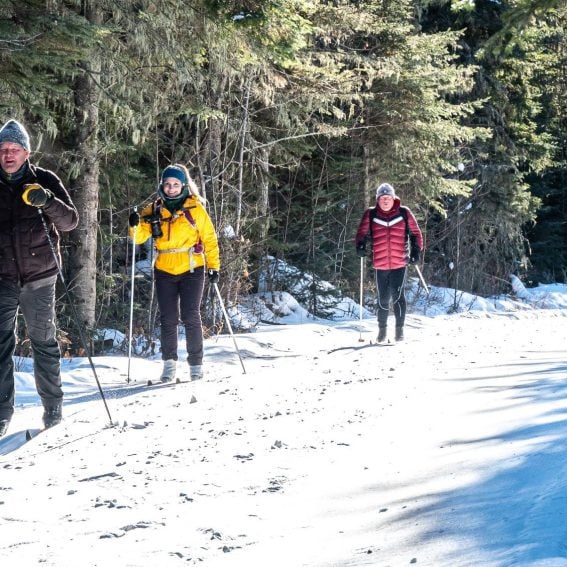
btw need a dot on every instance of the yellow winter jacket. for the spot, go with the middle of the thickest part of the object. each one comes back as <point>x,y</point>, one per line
<point>176,252</point>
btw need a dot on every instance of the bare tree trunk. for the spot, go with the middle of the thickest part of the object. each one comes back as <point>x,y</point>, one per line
<point>366,154</point>
<point>241,156</point>
<point>264,188</point>
<point>83,250</point>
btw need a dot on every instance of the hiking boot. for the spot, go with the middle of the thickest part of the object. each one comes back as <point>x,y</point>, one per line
<point>399,333</point>
<point>168,372</point>
<point>4,423</point>
<point>52,414</point>
<point>381,335</point>
<point>196,372</point>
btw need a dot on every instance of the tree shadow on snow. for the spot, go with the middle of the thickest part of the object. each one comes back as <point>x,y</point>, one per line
<point>516,514</point>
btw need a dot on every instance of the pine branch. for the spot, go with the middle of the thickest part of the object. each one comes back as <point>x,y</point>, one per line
<point>17,44</point>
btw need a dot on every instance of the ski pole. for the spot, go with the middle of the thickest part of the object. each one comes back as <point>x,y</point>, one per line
<point>360,339</point>
<point>421,278</point>
<point>229,326</point>
<point>73,309</point>
<point>133,274</point>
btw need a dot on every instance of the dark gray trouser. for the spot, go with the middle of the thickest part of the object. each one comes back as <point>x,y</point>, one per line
<point>37,303</point>
<point>181,293</point>
<point>390,287</point>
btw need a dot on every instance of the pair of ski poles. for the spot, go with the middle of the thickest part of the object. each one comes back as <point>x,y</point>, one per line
<point>130,339</point>
<point>79,326</point>
<point>422,279</point>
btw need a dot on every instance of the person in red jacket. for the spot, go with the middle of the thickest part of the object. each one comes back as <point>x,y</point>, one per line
<point>396,240</point>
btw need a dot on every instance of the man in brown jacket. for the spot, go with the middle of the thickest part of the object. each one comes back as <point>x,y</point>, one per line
<point>30,196</point>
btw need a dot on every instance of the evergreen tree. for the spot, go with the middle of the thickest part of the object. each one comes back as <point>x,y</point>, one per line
<point>481,240</point>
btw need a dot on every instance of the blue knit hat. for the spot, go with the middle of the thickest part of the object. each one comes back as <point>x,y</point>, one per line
<point>14,132</point>
<point>174,203</point>
<point>174,171</point>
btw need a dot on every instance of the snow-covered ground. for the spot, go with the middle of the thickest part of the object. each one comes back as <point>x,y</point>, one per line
<point>445,450</point>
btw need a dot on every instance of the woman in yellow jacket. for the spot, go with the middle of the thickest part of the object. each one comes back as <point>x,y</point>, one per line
<point>186,245</point>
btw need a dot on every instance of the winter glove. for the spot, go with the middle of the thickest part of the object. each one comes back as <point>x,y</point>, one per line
<point>134,219</point>
<point>36,196</point>
<point>213,276</point>
<point>361,249</point>
<point>415,254</point>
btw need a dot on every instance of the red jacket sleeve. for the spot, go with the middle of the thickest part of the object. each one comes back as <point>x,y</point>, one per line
<point>414,229</point>
<point>363,228</point>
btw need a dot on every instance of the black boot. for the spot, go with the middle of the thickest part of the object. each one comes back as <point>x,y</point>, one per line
<point>4,423</point>
<point>53,414</point>
<point>381,335</point>
<point>399,333</point>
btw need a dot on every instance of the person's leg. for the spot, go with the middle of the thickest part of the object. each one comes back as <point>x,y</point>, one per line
<point>383,293</point>
<point>191,295</point>
<point>398,282</point>
<point>167,292</point>
<point>37,302</point>
<point>9,298</point>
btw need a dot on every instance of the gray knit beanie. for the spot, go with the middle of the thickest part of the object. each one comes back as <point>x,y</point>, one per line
<point>385,189</point>
<point>14,132</point>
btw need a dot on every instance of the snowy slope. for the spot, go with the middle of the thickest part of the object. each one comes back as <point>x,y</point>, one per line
<point>445,450</point>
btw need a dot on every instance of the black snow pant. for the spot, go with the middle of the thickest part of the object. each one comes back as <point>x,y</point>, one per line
<point>36,301</point>
<point>390,287</point>
<point>175,294</point>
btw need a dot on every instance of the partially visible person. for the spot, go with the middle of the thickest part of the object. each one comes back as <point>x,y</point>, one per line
<point>29,268</point>
<point>396,240</point>
<point>187,247</point>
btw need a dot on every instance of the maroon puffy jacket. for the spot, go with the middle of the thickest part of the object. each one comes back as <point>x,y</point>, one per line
<point>389,238</point>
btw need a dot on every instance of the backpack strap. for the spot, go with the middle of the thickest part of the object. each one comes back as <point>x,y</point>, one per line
<point>156,208</point>
<point>404,213</point>
<point>371,217</point>
<point>197,248</point>
<point>187,214</point>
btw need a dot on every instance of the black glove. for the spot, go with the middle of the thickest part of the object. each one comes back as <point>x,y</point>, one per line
<point>36,196</point>
<point>213,276</point>
<point>415,254</point>
<point>134,219</point>
<point>361,249</point>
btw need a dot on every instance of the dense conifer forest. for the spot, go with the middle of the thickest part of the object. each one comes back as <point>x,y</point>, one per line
<point>289,113</point>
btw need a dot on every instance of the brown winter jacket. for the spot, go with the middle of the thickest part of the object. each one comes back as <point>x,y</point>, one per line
<point>25,253</point>
<point>389,238</point>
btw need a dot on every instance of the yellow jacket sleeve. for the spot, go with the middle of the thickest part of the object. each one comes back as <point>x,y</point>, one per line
<point>144,229</point>
<point>209,239</point>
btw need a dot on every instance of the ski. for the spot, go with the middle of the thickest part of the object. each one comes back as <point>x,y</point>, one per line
<point>366,345</point>
<point>33,433</point>
<point>168,383</point>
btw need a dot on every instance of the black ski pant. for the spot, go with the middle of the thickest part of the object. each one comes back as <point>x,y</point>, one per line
<point>181,295</point>
<point>36,301</point>
<point>390,287</point>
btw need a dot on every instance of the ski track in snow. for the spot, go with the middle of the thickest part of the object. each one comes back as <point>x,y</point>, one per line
<point>444,450</point>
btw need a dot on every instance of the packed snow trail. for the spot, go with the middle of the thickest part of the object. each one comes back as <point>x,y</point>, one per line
<point>447,449</point>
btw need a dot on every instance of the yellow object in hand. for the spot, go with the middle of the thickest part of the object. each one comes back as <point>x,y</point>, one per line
<point>35,195</point>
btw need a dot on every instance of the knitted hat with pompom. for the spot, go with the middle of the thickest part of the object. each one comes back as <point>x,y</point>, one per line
<point>385,189</point>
